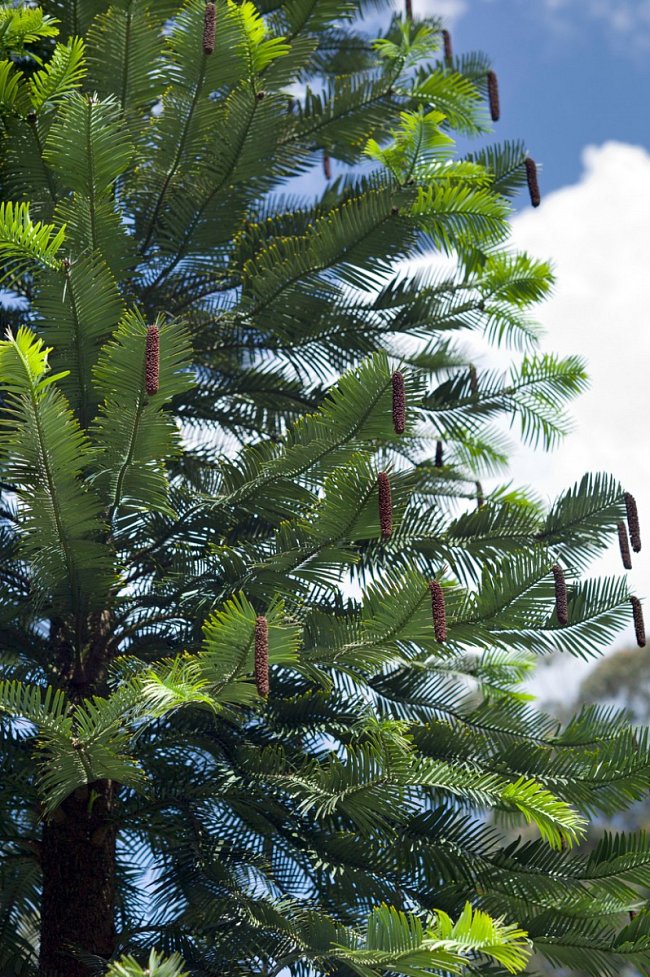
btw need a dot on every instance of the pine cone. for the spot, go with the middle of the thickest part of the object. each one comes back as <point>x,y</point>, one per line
<point>385,505</point>
<point>399,403</point>
<point>493,96</point>
<point>152,361</point>
<point>639,625</point>
<point>262,656</point>
<point>447,47</point>
<point>439,611</point>
<point>533,183</point>
<point>561,602</point>
<point>633,521</point>
<point>209,28</point>
<point>624,546</point>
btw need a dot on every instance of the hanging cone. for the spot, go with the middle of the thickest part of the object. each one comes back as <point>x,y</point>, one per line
<point>152,361</point>
<point>399,403</point>
<point>439,611</point>
<point>480,498</point>
<point>447,47</point>
<point>385,505</point>
<point>633,521</point>
<point>439,454</point>
<point>624,545</point>
<point>639,625</point>
<point>209,28</point>
<point>262,656</point>
<point>408,9</point>
<point>473,380</point>
<point>493,96</point>
<point>533,183</point>
<point>561,602</point>
<point>327,165</point>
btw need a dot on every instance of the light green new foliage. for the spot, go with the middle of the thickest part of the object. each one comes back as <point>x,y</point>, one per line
<point>200,385</point>
<point>156,967</point>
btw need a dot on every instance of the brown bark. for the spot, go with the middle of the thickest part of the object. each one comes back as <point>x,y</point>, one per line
<point>78,840</point>
<point>78,864</point>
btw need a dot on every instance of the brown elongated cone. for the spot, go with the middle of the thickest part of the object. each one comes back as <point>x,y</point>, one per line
<point>633,521</point>
<point>262,656</point>
<point>639,625</point>
<point>399,403</point>
<point>480,497</point>
<point>385,505</point>
<point>561,602</point>
<point>447,47</point>
<point>408,7</point>
<point>152,361</point>
<point>438,611</point>
<point>209,28</point>
<point>624,545</point>
<point>533,182</point>
<point>327,165</point>
<point>439,454</point>
<point>473,380</point>
<point>493,96</point>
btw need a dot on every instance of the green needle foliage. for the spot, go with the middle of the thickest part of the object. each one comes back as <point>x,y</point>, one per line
<point>196,387</point>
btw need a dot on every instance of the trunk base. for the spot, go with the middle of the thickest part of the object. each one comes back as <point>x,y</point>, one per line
<point>78,862</point>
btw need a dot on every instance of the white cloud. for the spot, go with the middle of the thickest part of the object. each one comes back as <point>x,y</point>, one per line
<point>449,11</point>
<point>628,18</point>
<point>597,233</point>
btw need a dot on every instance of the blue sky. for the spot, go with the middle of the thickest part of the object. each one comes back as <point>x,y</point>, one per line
<point>571,72</point>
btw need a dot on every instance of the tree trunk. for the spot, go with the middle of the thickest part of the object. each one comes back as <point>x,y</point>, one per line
<point>78,863</point>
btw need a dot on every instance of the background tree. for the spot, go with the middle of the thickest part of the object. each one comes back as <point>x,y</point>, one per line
<point>621,680</point>
<point>231,728</point>
<point>618,682</point>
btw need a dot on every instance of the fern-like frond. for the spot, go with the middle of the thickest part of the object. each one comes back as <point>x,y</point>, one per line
<point>44,453</point>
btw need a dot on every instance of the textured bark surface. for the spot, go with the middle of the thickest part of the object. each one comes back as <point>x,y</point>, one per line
<point>78,840</point>
<point>78,863</point>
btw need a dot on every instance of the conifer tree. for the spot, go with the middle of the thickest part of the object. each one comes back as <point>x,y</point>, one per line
<point>262,650</point>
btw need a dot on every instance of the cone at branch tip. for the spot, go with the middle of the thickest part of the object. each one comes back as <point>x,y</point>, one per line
<point>473,380</point>
<point>385,505</point>
<point>533,182</point>
<point>152,361</point>
<point>561,600</point>
<point>399,403</point>
<point>438,611</point>
<point>633,521</point>
<point>639,623</point>
<point>262,656</point>
<point>209,28</point>
<point>624,546</point>
<point>493,96</point>
<point>447,47</point>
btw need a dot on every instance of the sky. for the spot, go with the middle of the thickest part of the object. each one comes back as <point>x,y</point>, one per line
<point>574,78</point>
<point>571,72</point>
